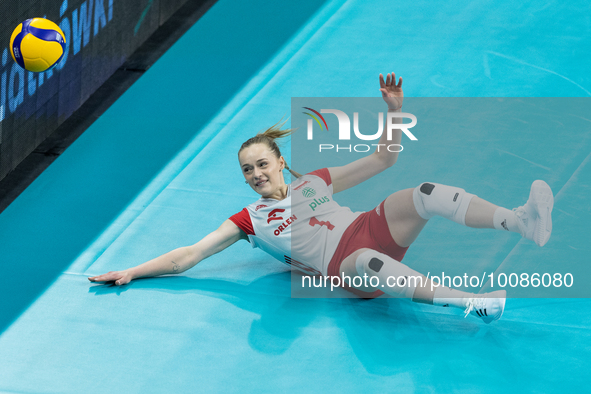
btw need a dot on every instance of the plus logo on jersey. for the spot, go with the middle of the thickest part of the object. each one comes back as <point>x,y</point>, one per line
<point>308,192</point>
<point>273,215</point>
<point>314,204</point>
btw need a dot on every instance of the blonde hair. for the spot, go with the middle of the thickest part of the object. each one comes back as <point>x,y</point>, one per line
<point>268,138</point>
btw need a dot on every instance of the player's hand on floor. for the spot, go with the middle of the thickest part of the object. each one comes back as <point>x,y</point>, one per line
<point>391,91</point>
<point>119,277</point>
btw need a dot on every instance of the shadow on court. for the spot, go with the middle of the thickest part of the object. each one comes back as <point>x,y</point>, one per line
<point>377,330</point>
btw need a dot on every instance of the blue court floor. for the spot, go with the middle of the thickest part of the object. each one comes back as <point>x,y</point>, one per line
<point>159,170</point>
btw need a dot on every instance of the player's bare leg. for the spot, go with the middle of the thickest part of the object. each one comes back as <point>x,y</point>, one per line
<point>404,222</point>
<point>407,212</point>
<point>399,280</point>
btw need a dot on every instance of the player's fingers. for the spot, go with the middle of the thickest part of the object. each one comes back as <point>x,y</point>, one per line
<point>388,82</point>
<point>399,82</point>
<point>393,79</point>
<point>123,280</point>
<point>109,276</point>
<point>382,84</point>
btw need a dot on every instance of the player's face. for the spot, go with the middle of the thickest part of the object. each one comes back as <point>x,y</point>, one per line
<point>262,169</point>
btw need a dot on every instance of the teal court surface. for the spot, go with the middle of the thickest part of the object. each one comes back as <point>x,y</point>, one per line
<point>159,170</point>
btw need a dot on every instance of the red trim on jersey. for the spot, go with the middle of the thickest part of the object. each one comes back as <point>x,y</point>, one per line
<point>324,174</point>
<point>242,220</point>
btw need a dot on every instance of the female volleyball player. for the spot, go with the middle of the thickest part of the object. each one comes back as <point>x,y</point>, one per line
<point>300,224</point>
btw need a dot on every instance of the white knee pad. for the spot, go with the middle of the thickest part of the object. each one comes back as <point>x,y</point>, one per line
<point>433,199</point>
<point>397,279</point>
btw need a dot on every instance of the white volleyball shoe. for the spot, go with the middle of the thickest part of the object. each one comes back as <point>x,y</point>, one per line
<point>535,217</point>
<point>488,306</point>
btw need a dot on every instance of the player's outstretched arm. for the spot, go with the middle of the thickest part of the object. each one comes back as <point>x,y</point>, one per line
<point>178,260</point>
<point>362,169</point>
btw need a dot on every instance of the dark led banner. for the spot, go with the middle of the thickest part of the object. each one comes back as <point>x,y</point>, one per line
<point>100,36</point>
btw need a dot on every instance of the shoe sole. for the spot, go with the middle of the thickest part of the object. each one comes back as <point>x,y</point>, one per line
<point>543,201</point>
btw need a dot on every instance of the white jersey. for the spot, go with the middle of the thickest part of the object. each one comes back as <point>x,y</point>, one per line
<point>302,230</point>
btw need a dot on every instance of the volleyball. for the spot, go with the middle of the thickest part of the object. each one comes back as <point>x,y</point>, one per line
<point>37,44</point>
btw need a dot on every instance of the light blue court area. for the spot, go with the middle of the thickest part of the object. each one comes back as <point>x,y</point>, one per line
<point>159,170</point>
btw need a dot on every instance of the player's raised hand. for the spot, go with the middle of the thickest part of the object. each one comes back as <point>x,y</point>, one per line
<point>391,91</point>
<point>119,277</point>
